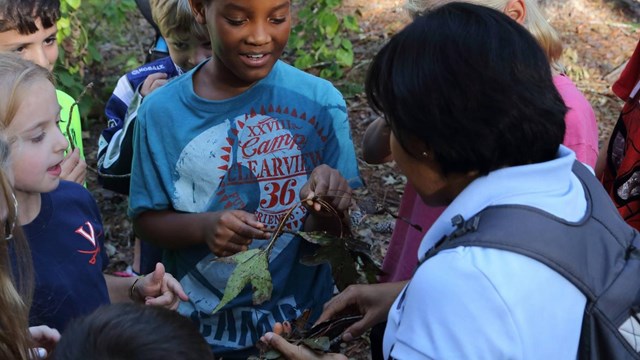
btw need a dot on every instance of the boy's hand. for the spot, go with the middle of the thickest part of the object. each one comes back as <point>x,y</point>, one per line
<point>329,185</point>
<point>153,82</point>
<point>232,231</point>
<point>74,168</point>
<point>160,289</point>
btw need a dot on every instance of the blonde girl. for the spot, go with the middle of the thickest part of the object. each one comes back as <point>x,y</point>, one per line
<point>15,294</point>
<point>60,218</point>
<point>16,289</point>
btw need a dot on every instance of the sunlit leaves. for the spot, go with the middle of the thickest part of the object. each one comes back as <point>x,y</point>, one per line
<point>320,39</point>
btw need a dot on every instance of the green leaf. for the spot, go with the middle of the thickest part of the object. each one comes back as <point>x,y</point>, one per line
<point>351,23</point>
<point>329,23</point>
<point>344,57</point>
<point>94,53</point>
<point>63,23</point>
<point>305,13</point>
<point>333,3</point>
<point>318,237</point>
<point>296,42</point>
<point>74,4</point>
<point>303,62</point>
<point>346,44</point>
<point>327,73</point>
<point>322,343</point>
<point>253,268</point>
<point>343,267</point>
<point>272,355</point>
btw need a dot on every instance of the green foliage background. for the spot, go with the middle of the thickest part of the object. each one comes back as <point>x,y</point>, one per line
<point>99,42</point>
<point>320,38</point>
<point>88,29</point>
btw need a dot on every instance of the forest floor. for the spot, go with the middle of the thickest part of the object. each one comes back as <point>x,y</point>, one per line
<point>599,36</point>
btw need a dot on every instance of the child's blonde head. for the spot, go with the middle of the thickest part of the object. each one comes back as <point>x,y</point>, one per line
<point>534,21</point>
<point>16,77</point>
<point>174,17</point>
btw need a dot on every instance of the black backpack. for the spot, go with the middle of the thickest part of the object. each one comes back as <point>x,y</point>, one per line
<point>598,255</point>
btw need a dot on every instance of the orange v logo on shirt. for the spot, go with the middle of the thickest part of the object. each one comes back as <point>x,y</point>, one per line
<point>91,237</point>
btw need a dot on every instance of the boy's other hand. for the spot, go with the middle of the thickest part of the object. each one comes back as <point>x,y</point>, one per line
<point>329,185</point>
<point>161,289</point>
<point>74,168</point>
<point>153,82</point>
<point>232,231</point>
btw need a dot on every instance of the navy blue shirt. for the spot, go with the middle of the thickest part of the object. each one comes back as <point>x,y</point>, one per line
<point>67,246</point>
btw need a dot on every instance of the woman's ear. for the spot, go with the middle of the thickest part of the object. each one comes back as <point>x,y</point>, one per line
<point>199,10</point>
<point>517,10</point>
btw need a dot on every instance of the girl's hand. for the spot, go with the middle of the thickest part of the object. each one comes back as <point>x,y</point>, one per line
<point>296,352</point>
<point>327,184</point>
<point>45,338</point>
<point>160,289</point>
<point>74,168</point>
<point>232,231</point>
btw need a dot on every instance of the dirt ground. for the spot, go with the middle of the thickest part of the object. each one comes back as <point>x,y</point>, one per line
<point>599,35</point>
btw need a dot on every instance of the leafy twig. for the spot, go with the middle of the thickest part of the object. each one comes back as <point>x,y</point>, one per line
<point>75,103</point>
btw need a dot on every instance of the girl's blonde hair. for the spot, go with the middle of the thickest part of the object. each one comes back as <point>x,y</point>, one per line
<point>16,268</point>
<point>16,289</point>
<point>535,22</point>
<point>16,78</point>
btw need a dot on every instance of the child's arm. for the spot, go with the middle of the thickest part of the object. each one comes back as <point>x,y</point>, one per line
<point>225,232</point>
<point>157,288</point>
<point>375,143</point>
<point>601,163</point>
<point>329,185</point>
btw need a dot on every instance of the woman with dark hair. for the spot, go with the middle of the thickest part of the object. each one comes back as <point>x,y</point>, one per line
<point>475,121</point>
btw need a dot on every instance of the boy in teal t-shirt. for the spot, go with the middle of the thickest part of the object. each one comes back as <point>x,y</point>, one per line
<point>28,28</point>
<point>227,151</point>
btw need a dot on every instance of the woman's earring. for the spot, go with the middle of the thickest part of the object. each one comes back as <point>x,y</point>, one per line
<point>425,154</point>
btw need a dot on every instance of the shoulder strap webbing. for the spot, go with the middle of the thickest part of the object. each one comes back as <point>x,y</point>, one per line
<point>590,253</point>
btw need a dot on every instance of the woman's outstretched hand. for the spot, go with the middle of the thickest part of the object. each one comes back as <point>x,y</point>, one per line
<point>372,301</point>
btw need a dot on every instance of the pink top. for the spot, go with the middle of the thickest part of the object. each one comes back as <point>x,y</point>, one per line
<point>402,254</point>
<point>581,135</point>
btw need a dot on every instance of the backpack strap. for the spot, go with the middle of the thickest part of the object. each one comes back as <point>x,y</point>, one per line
<point>590,253</point>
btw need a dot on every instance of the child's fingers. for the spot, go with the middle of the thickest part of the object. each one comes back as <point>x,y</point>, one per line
<point>235,246</point>
<point>250,219</point>
<point>246,226</point>
<point>278,328</point>
<point>152,82</point>
<point>74,168</point>
<point>166,300</point>
<point>156,84</point>
<point>287,328</point>
<point>79,172</point>
<point>343,201</point>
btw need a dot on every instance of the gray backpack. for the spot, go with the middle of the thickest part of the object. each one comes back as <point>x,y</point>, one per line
<point>598,254</point>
